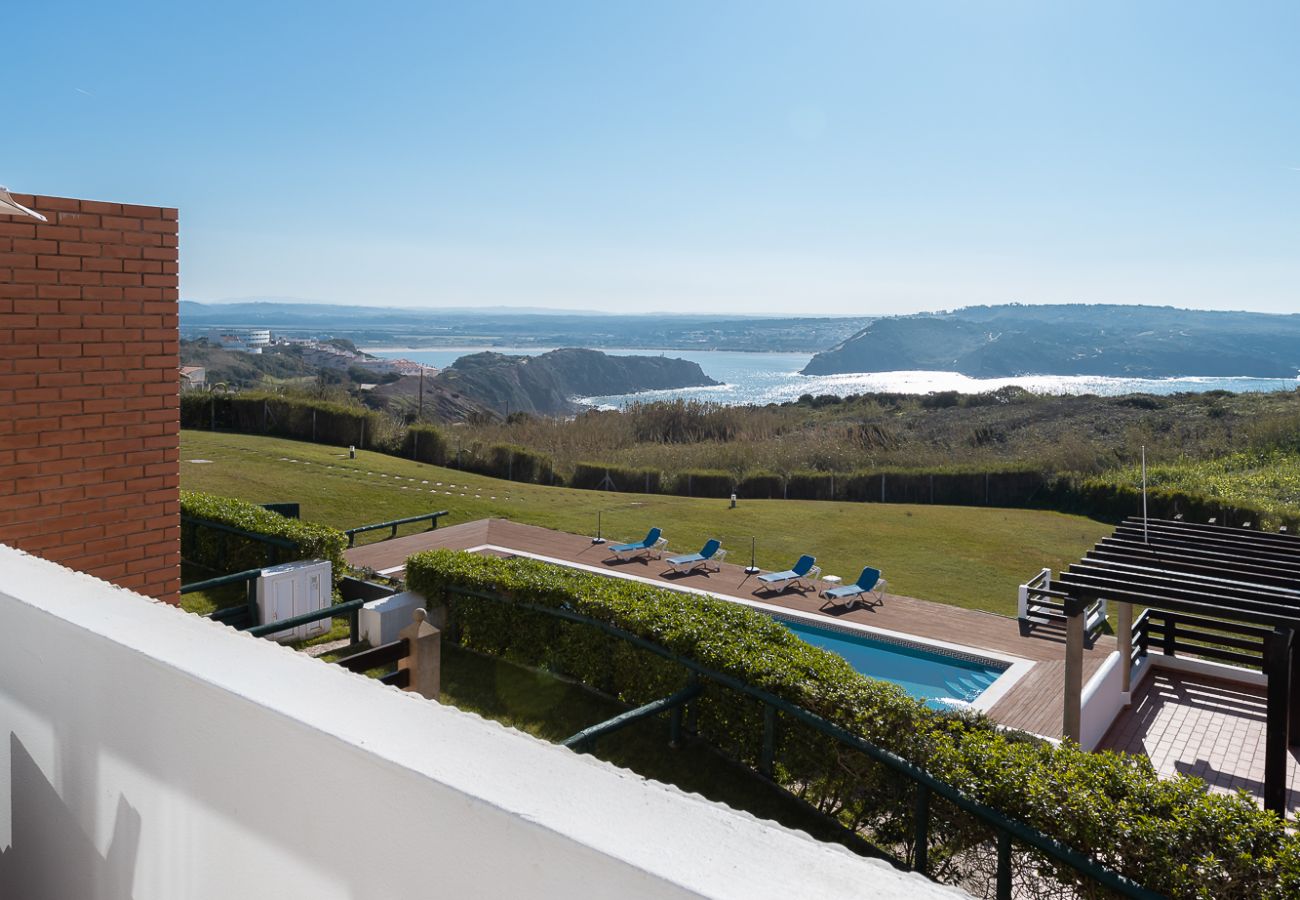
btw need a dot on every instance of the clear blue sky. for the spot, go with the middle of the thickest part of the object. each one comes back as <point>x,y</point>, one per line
<point>747,157</point>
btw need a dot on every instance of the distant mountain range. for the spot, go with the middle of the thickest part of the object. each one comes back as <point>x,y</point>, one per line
<point>507,327</point>
<point>1073,339</point>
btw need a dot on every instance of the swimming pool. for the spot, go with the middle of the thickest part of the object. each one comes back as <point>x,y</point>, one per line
<point>927,675</point>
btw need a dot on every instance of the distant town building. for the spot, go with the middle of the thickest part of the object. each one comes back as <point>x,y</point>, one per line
<point>244,340</point>
<point>193,377</point>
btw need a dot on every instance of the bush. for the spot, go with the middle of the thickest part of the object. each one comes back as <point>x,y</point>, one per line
<point>317,421</point>
<point>512,463</point>
<point>592,477</point>
<point>1169,835</point>
<point>703,483</point>
<point>810,486</point>
<point>761,486</point>
<point>425,443</point>
<point>205,546</point>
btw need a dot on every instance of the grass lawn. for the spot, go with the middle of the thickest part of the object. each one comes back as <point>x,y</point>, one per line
<point>966,556</point>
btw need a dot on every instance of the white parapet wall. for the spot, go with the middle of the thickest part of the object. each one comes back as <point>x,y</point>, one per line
<point>151,754</point>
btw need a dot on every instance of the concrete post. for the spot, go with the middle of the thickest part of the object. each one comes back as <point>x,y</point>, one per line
<point>1124,642</point>
<point>1073,714</point>
<point>425,656</point>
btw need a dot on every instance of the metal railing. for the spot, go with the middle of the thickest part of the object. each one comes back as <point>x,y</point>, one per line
<point>1006,829</point>
<point>393,523</point>
<point>1183,634</point>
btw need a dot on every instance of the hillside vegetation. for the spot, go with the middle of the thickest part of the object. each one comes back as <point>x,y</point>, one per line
<point>1073,339</point>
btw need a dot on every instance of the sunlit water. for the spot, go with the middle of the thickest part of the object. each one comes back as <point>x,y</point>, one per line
<point>760,378</point>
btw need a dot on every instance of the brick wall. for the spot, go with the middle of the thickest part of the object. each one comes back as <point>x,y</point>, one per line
<point>89,356</point>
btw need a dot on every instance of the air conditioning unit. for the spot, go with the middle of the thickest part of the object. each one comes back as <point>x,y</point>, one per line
<point>292,589</point>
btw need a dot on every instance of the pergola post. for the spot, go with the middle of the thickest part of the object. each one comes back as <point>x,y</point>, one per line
<point>1124,643</point>
<point>1277,665</point>
<point>1073,714</point>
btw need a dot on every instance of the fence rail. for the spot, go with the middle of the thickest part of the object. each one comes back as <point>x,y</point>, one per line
<point>1182,634</point>
<point>1006,829</point>
<point>393,523</point>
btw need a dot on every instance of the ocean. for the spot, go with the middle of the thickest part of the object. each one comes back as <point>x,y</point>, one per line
<point>759,378</point>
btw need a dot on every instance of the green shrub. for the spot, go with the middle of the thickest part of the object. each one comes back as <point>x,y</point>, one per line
<point>425,443</point>
<point>703,483</point>
<point>809,486</point>
<point>761,486</point>
<point>512,463</point>
<point>318,421</point>
<point>1170,835</point>
<point>227,553</point>
<point>592,477</point>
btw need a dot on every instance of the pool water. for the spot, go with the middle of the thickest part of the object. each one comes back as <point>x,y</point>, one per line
<point>926,675</point>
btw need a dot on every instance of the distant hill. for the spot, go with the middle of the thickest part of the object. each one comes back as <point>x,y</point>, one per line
<point>545,384</point>
<point>510,327</point>
<point>1073,339</point>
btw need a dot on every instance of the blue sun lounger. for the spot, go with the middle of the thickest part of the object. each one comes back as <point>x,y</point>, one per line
<point>710,553</point>
<point>651,545</point>
<point>802,573</point>
<point>869,584</point>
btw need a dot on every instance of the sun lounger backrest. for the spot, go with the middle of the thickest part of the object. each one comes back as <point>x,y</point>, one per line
<point>867,580</point>
<point>652,536</point>
<point>804,565</point>
<point>710,547</point>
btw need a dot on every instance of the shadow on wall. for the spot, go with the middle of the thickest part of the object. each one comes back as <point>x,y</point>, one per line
<point>50,857</point>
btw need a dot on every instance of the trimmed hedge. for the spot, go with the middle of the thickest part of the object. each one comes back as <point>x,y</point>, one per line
<point>591,476</point>
<point>761,486</point>
<point>1170,835</point>
<point>425,443</point>
<point>254,412</point>
<point>205,545</point>
<point>703,483</point>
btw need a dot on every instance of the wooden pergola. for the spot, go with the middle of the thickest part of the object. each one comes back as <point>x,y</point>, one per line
<point>1226,594</point>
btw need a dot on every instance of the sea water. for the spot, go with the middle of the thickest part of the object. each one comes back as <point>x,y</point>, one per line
<point>760,378</point>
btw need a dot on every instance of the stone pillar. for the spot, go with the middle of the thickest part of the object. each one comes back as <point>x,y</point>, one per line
<point>425,656</point>
<point>1073,713</point>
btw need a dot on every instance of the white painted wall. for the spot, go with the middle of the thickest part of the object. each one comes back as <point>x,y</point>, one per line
<point>152,754</point>
<point>1103,700</point>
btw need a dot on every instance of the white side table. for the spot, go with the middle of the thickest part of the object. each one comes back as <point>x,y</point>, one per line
<point>832,579</point>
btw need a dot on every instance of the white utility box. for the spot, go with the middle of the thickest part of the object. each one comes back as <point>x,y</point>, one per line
<point>383,619</point>
<point>292,589</point>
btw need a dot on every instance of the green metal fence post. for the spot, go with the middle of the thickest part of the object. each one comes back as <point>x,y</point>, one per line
<point>1004,865</point>
<point>921,829</point>
<point>769,740</point>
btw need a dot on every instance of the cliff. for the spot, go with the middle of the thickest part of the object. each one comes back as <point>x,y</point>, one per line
<point>1073,339</point>
<point>546,384</point>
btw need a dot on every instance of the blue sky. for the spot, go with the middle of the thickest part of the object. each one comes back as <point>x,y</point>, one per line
<point>813,157</point>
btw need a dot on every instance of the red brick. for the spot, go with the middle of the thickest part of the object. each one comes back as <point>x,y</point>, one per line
<point>101,208</point>
<point>120,223</point>
<point>18,261</point>
<point>66,204</point>
<point>59,291</point>
<point>58,262</point>
<point>81,277</point>
<point>78,220</point>
<point>34,245</point>
<point>107,264</point>
<point>17,229</point>
<point>58,232</point>
<point>122,279</point>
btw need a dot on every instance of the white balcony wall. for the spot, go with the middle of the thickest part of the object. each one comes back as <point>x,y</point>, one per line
<point>151,754</point>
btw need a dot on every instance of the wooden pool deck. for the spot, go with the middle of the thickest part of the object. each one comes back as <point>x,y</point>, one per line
<point>1034,704</point>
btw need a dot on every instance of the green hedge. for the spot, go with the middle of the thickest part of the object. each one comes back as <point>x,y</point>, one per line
<point>207,547</point>
<point>425,443</point>
<point>1171,836</point>
<point>761,486</point>
<point>703,483</point>
<point>254,412</point>
<point>592,477</point>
